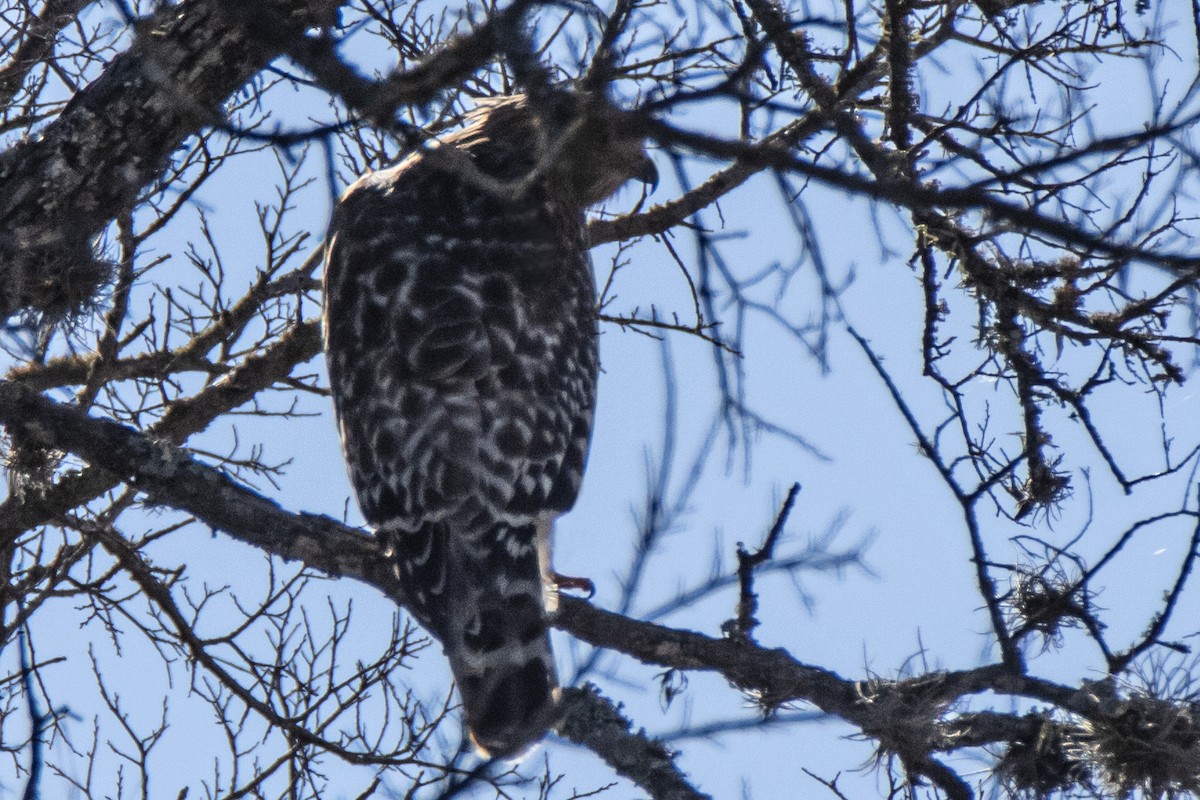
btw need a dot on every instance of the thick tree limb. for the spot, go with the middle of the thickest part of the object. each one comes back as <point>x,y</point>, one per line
<point>775,677</point>
<point>59,190</point>
<point>910,718</point>
<point>185,417</point>
<point>592,721</point>
<point>169,476</point>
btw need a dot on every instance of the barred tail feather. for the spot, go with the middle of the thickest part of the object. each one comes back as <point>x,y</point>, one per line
<point>504,667</point>
<point>491,618</point>
<point>509,688</point>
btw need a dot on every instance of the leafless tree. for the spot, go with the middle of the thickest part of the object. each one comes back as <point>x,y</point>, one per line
<point>176,621</point>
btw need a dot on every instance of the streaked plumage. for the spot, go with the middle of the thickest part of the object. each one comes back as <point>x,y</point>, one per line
<point>461,340</point>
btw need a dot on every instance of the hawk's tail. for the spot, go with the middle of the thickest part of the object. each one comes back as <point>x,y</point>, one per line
<point>492,620</point>
<point>500,649</point>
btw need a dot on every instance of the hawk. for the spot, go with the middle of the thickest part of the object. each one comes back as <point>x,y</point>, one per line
<point>460,333</point>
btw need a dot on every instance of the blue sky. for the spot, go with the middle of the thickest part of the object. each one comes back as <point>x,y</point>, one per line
<point>916,607</point>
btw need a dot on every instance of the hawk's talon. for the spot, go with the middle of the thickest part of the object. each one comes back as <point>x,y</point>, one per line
<point>562,582</point>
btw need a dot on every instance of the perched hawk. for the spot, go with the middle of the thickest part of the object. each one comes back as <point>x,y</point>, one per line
<point>460,331</point>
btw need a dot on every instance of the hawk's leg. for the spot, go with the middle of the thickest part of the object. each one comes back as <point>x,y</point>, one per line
<point>552,581</point>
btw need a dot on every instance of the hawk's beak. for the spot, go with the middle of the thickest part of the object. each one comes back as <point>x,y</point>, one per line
<point>647,173</point>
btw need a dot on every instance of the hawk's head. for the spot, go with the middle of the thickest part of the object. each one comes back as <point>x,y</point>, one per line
<point>582,145</point>
<point>600,150</point>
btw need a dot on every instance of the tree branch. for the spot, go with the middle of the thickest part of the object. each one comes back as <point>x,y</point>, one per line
<point>911,718</point>
<point>592,721</point>
<point>60,189</point>
<point>169,476</point>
